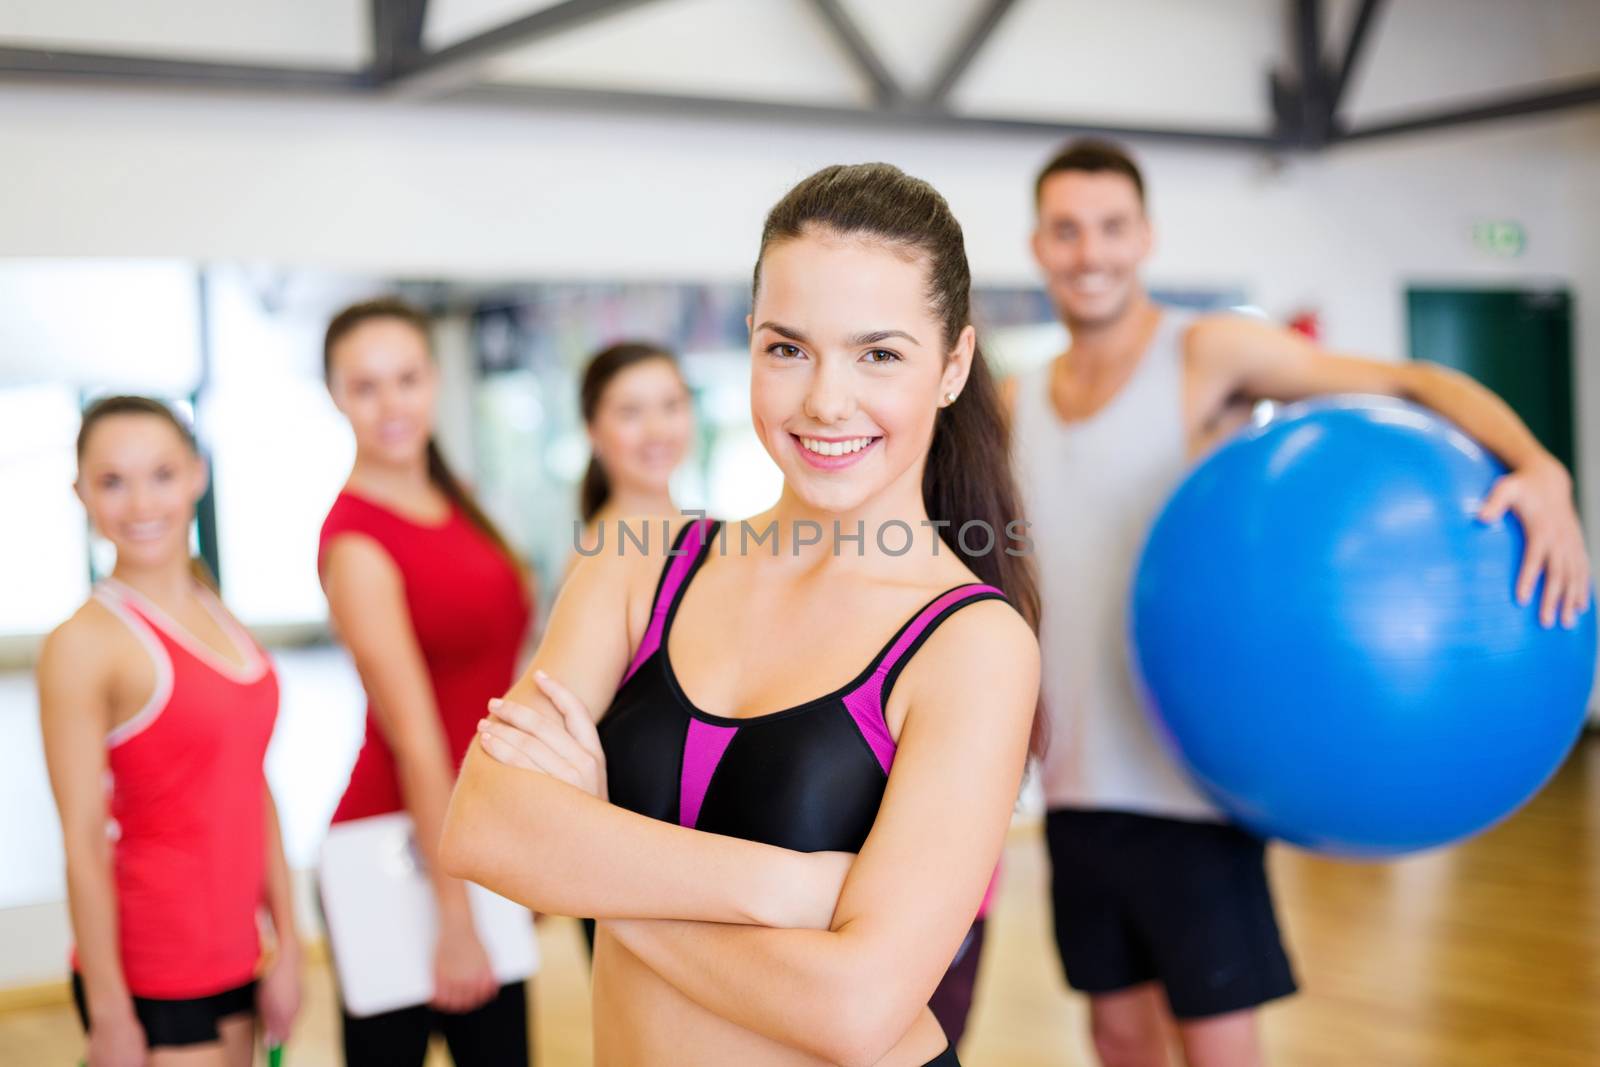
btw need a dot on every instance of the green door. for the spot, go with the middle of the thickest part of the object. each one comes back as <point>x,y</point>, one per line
<point>1517,343</point>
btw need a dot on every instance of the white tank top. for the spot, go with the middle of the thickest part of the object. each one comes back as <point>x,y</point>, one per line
<point>1091,489</point>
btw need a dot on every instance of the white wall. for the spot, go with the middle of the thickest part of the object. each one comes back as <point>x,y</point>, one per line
<point>443,190</point>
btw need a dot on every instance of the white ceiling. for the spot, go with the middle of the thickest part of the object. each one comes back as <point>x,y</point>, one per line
<point>746,49</point>
<point>1172,63</point>
<point>913,37</point>
<point>1428,55</point>
<point>448,21</point>
<point>332,33</point>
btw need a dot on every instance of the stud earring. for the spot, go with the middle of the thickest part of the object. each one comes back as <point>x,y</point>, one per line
<point>949,398</point>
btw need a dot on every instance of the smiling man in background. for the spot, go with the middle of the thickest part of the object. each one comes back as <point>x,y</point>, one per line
<point>1163,913</point>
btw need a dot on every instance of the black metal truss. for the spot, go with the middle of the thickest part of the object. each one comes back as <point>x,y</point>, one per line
<point>1307,95</point>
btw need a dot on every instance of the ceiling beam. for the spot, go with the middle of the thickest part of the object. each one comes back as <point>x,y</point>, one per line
<point>1310,102</point>
<point>396,35</point>
<point>49,65</point>
<point>1360,33</point>
<point>966,50</point>
<point>909,117</point>
<point>458,65</point>
<point>1583,94</point>
<point>886,90</point>
<point>398,24</point>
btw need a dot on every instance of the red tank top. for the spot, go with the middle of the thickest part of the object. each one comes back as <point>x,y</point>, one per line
<point>469,610</point>
<point>187,797</point>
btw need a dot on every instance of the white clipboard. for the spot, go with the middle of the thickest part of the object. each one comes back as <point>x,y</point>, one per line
<point>382,922</point>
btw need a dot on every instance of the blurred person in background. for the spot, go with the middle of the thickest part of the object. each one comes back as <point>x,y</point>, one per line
<point>1163,911</point>
<point>156,709</point>
<point>640,419</point>
<point>434,606</point>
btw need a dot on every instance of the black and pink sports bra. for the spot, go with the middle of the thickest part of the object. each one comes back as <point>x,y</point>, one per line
<point>808,778</point>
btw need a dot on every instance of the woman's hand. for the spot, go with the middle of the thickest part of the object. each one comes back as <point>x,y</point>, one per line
<point>117,1040</point>
<point>278,996</point>
<point>462,977</point>
<point>559,740</point>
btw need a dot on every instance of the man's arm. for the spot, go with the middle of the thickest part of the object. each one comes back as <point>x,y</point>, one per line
<point>1241,357</point>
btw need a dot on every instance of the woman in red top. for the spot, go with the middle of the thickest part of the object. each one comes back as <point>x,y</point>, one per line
<point>429,600</point>
<point>153,684</point>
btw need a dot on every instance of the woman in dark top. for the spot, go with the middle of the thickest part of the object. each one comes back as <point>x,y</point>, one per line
<point>710,822</point>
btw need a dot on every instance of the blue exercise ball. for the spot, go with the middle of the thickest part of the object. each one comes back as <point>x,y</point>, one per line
<point>1329,638</point>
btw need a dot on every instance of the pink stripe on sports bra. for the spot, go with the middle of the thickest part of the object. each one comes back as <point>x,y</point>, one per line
<point>703,747</point>
<point>670,581</point>
<point>866,701</point>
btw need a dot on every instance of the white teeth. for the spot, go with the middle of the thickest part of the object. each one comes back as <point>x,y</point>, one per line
<point>835,448</point>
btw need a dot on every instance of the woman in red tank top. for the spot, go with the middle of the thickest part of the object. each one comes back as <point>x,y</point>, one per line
<point>429,599</point>
<point>154,686</point>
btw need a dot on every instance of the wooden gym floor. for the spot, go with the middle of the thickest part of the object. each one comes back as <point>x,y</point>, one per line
<point>1486,955</point>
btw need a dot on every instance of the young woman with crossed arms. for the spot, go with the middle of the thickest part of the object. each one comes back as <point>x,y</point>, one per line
<point>749,932</point>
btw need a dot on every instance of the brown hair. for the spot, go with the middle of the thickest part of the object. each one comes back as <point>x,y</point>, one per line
<point>604,366</point>
<point>439,472</point>
<point>1092,156</point>
<point>106,407</point>
<point>967,476</point>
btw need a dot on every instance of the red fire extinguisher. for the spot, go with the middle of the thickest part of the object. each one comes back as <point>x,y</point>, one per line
<point>1306,322</point>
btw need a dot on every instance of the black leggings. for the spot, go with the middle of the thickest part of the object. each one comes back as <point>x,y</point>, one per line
<point>493,1035</point>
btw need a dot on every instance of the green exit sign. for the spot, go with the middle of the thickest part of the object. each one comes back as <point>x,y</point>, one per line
<point>1506,239</point>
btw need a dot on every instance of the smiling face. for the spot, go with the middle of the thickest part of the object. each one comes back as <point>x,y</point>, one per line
<point>383,380</point>
<point>1091,238</point>
<point>139,481</point>
<point>642,425</point>
<point>850,366</point>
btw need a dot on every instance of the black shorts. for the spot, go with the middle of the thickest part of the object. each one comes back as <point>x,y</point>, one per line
<point>173,1023</point>
<point>1139,898</point>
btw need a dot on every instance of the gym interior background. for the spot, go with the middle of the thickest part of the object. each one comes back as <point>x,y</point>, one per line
<point>188,190</point>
